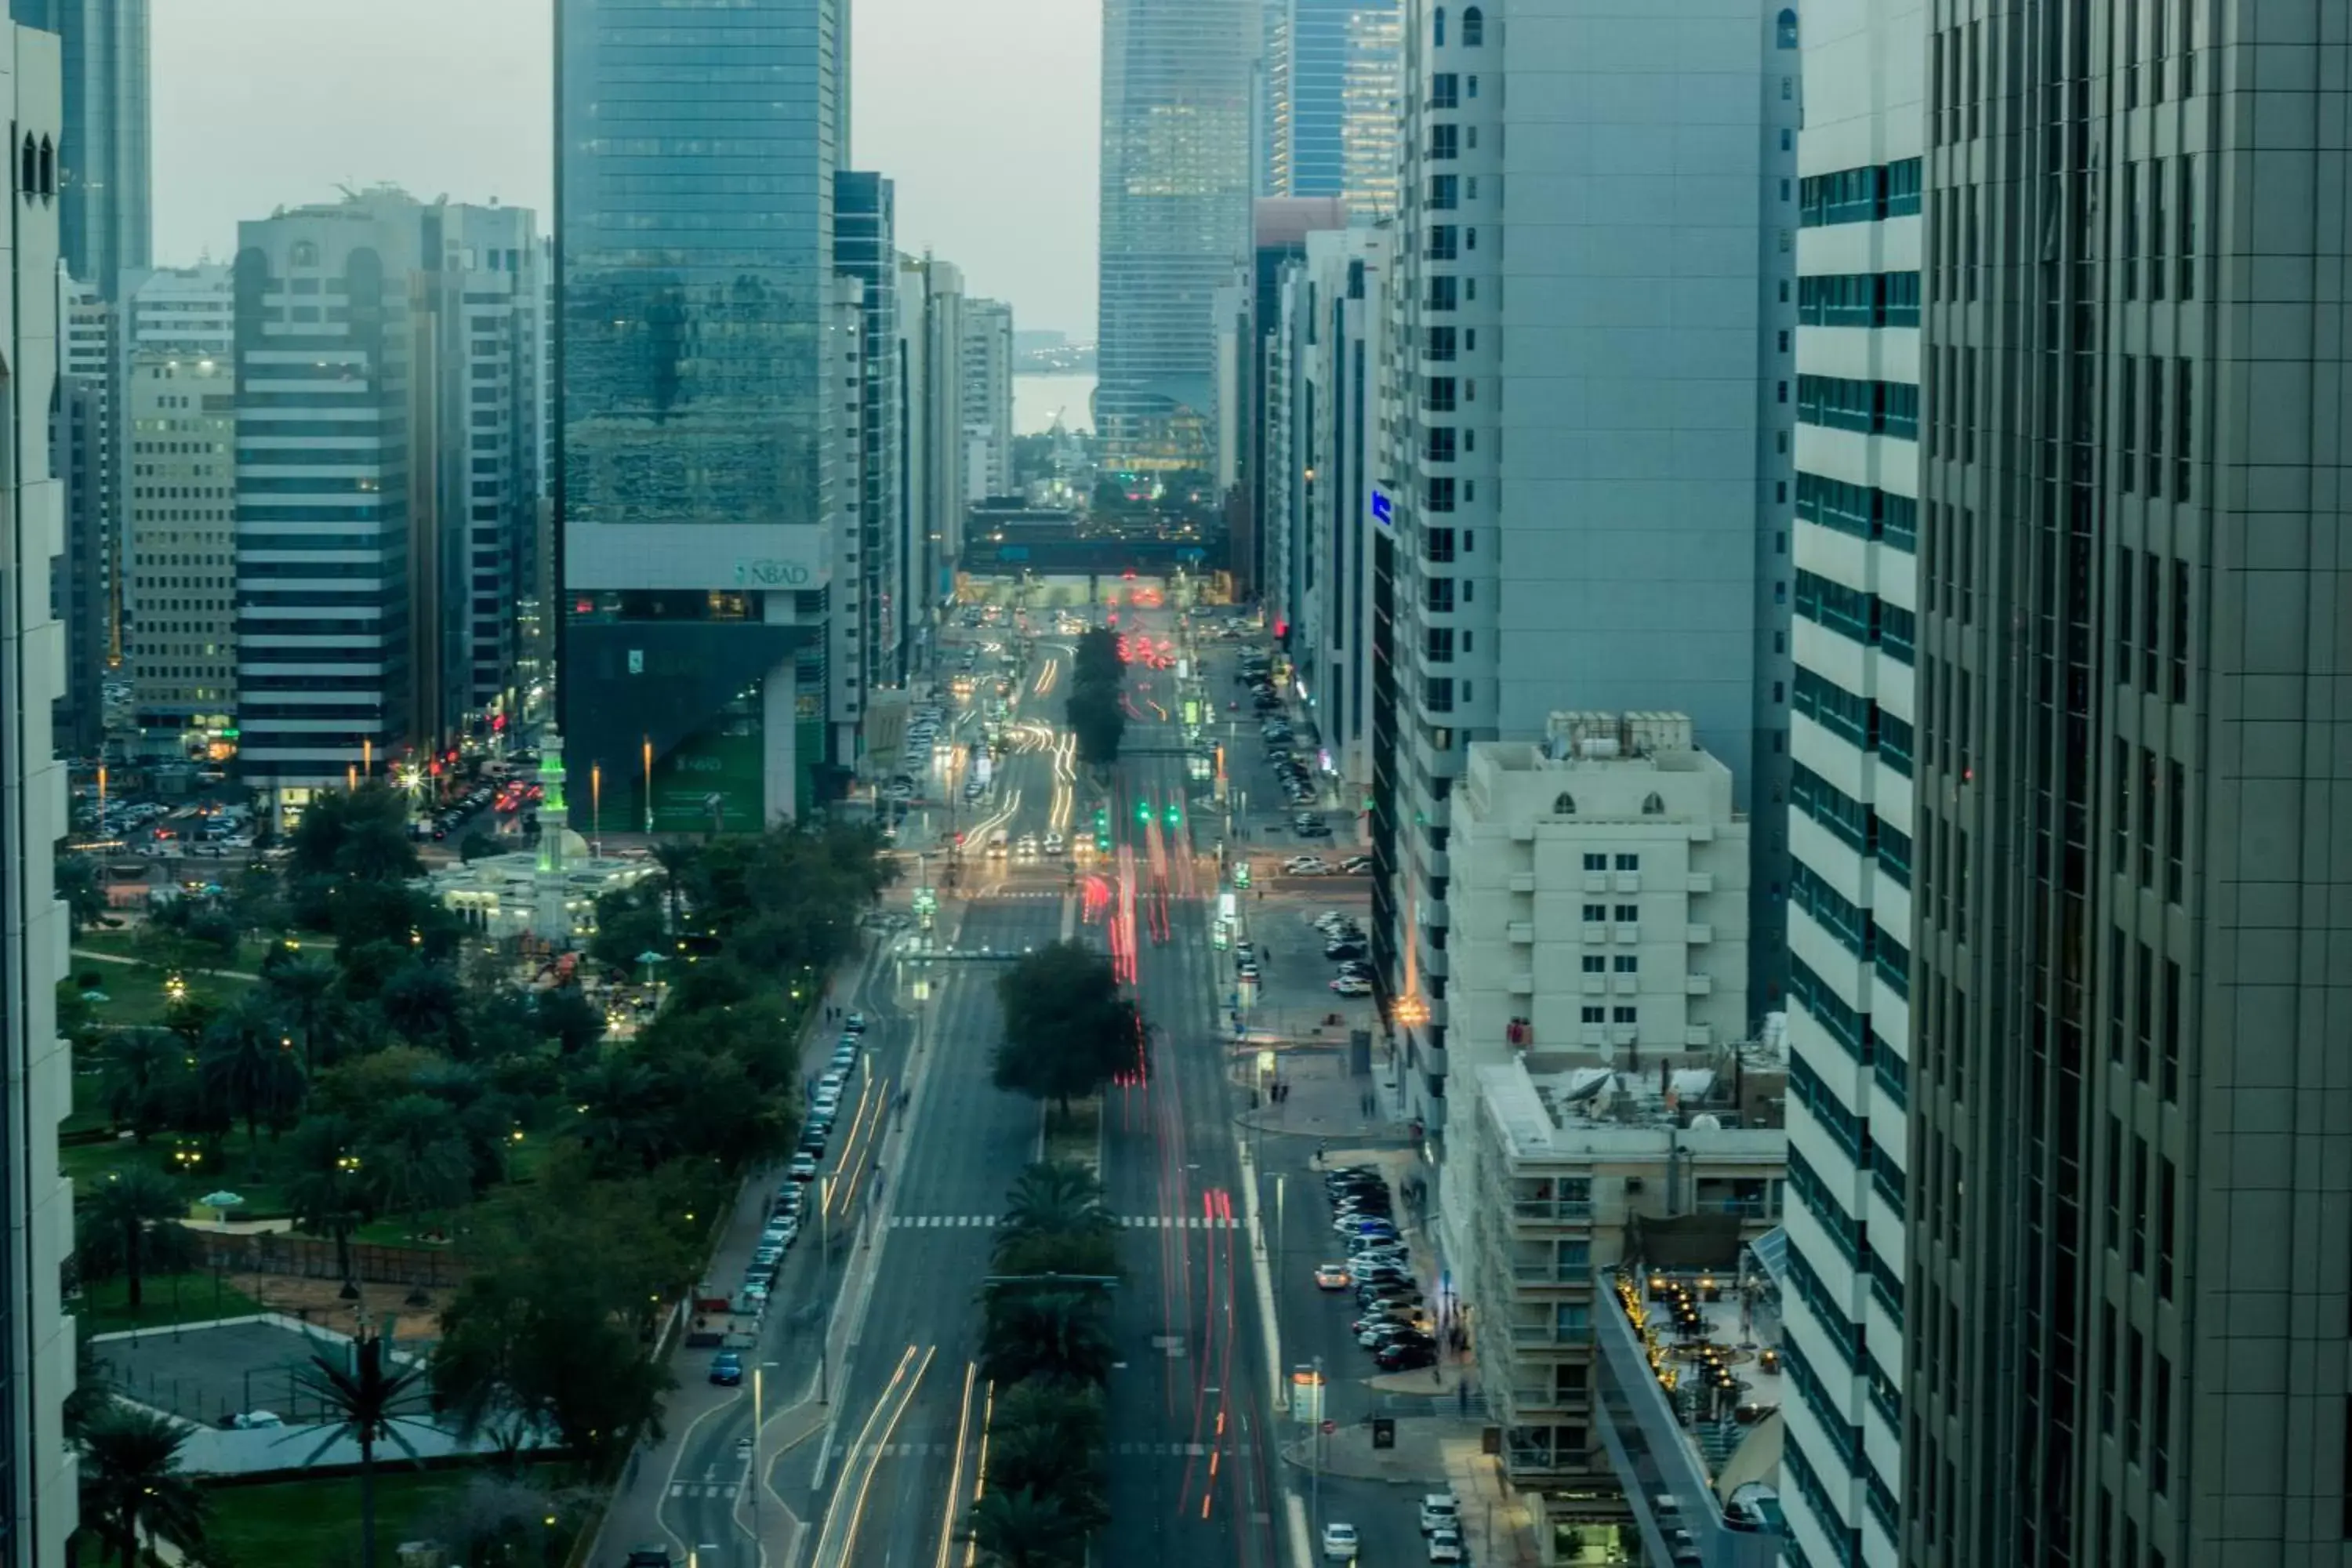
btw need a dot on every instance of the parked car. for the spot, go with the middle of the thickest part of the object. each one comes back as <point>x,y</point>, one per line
<point>1350,985</point>
<point>803,1168</point>
<point>1406,1357</point>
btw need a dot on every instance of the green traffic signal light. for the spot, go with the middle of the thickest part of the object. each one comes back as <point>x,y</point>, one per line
<point>1143,811</point>
<point>1175,816</point>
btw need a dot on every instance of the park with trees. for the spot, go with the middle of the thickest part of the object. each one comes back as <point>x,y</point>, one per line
<point>334,1047</point>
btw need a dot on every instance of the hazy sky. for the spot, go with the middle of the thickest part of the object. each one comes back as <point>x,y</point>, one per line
<point>983,112</point>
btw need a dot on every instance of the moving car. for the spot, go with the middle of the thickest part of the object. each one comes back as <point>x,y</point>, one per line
<point>1440,1511</point>
<point>726,1369</point>
<point>1053,844</point>
<point>1332,1277</point>
<point>1445,1546</point>
<point>1351,985</point>
<point>1339,1542</point>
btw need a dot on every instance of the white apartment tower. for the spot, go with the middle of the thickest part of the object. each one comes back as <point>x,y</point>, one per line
<point>1584,489</point>
<point>987,398</point>
<point>1850,818</point>
<point>38,1505</point>
<point>189,309</point>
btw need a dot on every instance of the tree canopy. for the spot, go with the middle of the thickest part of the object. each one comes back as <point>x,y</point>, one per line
<point>1068,1030</point>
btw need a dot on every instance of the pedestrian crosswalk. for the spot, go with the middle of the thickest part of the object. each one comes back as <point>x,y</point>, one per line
<point>1131,1221</point>
<point>702,1489</point>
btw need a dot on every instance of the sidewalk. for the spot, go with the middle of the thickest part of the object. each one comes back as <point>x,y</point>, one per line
<point>1433,1453</point>
<point>634,1512</point>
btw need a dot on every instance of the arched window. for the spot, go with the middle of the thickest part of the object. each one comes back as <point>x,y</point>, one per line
<point>306,254</point>
<point>28,167</point>
<point>1785,32</point>
<point>1653,806</point>
<point>1440,27</point>
<point>1473,28</point>
<point>48,168</point>
<point>1565,805</point>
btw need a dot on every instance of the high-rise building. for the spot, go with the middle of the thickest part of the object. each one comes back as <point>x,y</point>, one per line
<point>87,587</point>
<point>325,639</point>
<point>943,455</point>
<point>2125,1288</point>
<point>1851,794</point>
<point>475,465</point>
<point>987,398</point>
<point>1323,363</point>
<point>1278,229</point>
<point>376,559</point>
<point>866,250</point>
<point>38,1505</point>
<point>1585,482</point>
<point>1333,71</point>
<point>911,528</point>
<point>183,309</point>
<point>179,509</point>
<point>1177,160</point>
<point>697,418</point>
<point>106,197</point>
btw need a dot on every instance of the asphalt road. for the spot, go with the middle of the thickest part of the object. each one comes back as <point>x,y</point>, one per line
<point>1192,1467</point>
<point>888,1480</point>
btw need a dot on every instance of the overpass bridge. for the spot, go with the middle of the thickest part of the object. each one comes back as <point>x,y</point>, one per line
<point>1065,551</point>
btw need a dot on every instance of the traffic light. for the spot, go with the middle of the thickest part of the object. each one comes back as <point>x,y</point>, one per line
<point>1143,812</point>
<point>1175,814</point>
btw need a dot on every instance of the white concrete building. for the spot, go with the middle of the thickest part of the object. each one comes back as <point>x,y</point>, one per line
<point>39,1502</point>
<point>1590,393</point>
<point>946,491</point>
<point>1850,822</point>
<point>1319,574</point>
<point>988,397</point>
<point>180,511</point>
<point>1581,1169</point>
<point>184,308</point>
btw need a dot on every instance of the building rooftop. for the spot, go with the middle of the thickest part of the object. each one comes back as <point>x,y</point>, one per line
<point>1709,1340</point>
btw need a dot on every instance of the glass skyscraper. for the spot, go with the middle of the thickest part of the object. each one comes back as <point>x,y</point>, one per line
<point>696,151</point>
<point>1333,68</point>
<point>105,203</point>
<point>1177,160</point>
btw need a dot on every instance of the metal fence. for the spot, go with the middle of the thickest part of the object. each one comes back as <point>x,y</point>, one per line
<point>308,1258</point>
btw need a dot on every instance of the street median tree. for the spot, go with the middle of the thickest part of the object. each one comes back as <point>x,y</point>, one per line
<point>1067,1031</point>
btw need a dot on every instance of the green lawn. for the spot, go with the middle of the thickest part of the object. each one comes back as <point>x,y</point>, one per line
<point>316,1523</point>
<point>194,1298</point>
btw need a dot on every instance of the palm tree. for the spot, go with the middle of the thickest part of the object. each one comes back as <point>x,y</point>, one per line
<point>367,1401</point>
<point>81,892</point>
<point>248,1065</point>
<point>1047,1334</point>
<point>328,1192</point>
<point>142,1060</point>
<point>1048,1438</point>
<point>303,992</point>
<point>1056,1199</point>
<point>131,1483</point>
<point>125,1206</point>
<point>415,1158</point>
<point>1017,1528</point>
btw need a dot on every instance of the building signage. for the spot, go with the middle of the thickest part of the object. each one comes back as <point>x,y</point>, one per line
<point>772,575</point>
<point>1383,510</point>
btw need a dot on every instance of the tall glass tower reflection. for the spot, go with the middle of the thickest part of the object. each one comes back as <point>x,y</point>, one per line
<point>1334,69</point>
<point>105,199</point>
<point>1176,174</point>
<point>696,150</point>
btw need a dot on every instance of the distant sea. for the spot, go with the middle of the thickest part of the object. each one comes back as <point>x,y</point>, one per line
<point>1037,398</point>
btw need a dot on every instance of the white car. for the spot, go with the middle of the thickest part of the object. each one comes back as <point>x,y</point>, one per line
<point>1351,985</point>
<point>1027,847</point>
<point>1306,866</point>
<point>1053,844</point>
<point>1440,1511</point>
<point>1445,1546</point>
<point>1339,1542</point>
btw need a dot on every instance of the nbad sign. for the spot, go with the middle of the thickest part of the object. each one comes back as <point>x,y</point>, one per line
<point>1383,511</point>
